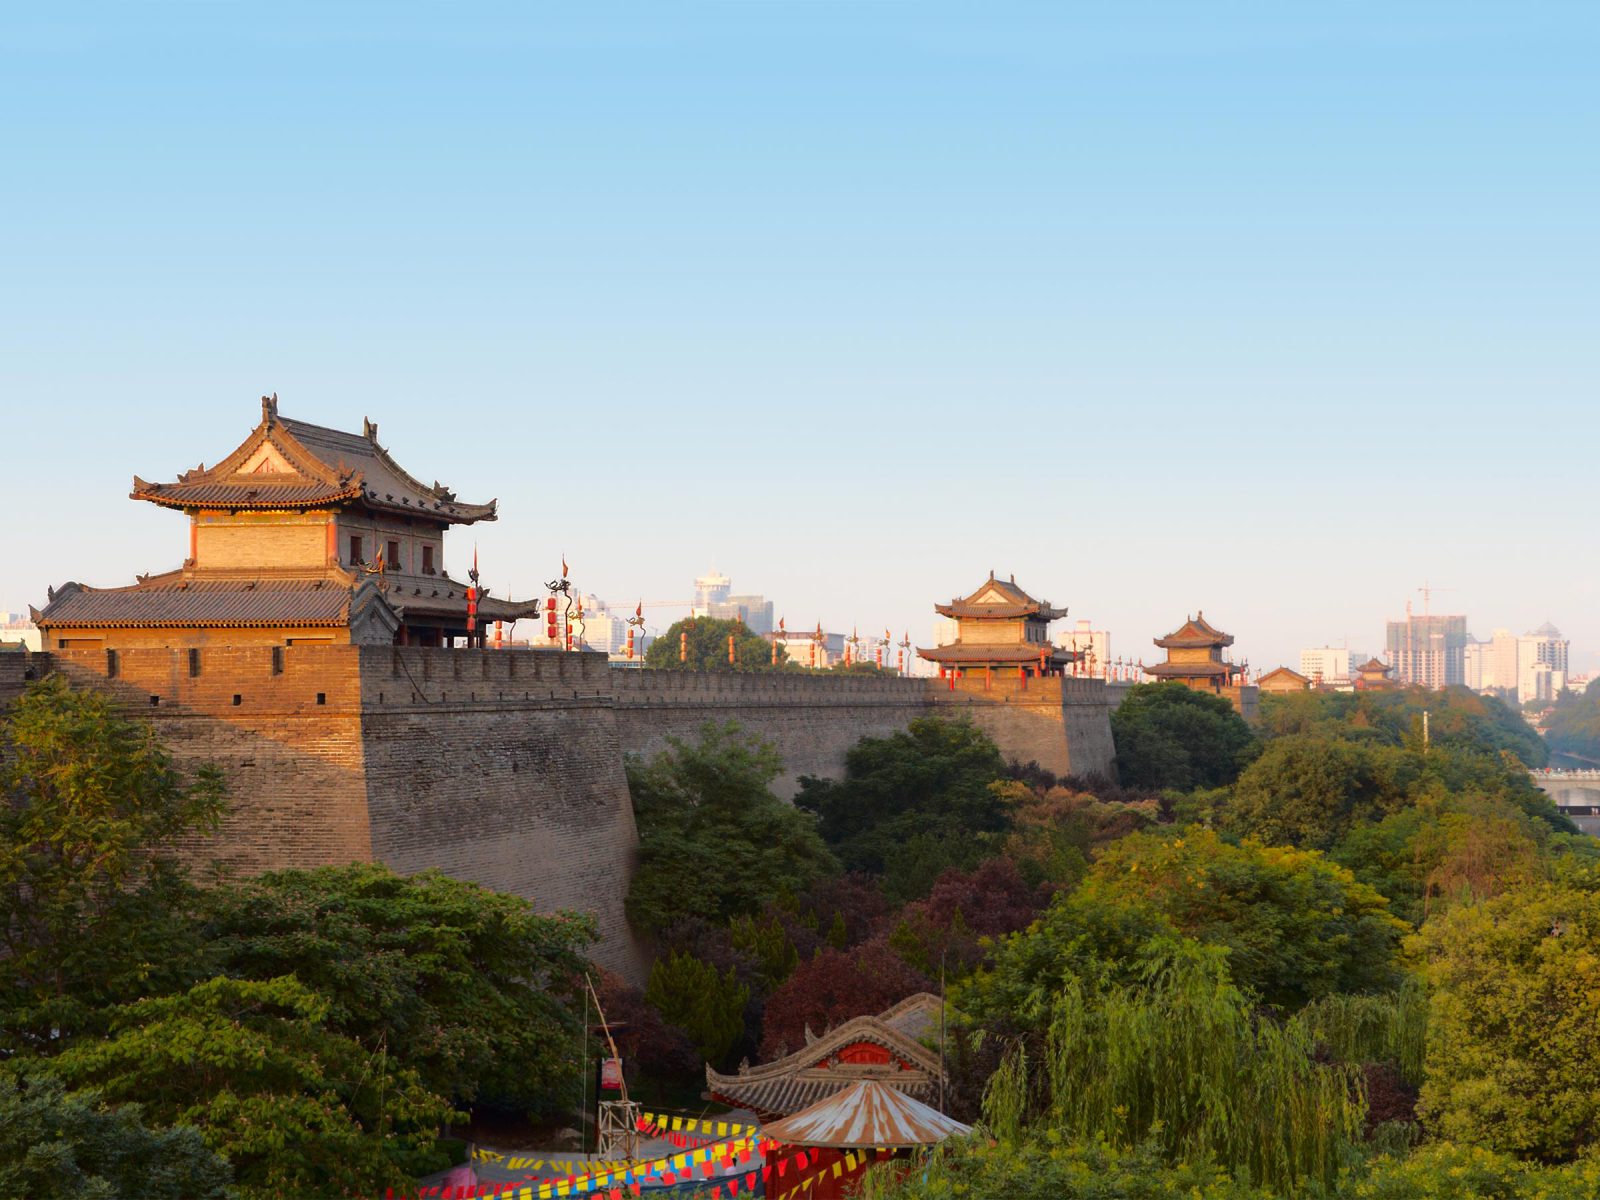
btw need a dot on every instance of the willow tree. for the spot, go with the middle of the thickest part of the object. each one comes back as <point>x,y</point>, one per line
<point>1183,1062</point>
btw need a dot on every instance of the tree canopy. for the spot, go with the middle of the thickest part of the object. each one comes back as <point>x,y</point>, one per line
<point>1512,1063</point>
<point>706,641</point>
<point>88,798</point>
<point>472,989</point>
<point>1171,736</point>
<point>714,842</point>
<point>913,803</point>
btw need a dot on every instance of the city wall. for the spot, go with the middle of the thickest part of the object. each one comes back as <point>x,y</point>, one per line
<point>506,768</point>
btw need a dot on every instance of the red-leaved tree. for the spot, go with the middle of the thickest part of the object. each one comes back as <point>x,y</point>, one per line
<point>833,987</point>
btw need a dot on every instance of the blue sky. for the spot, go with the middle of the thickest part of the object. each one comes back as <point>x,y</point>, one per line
<point>1275,311</point>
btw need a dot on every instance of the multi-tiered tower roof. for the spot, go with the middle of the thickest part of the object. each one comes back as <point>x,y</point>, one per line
<point>301,534</point>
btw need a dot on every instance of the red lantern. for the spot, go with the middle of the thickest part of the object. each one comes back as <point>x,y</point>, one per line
<point>630,642</point>
<point>499,632</point>
<point>683,646</point>
<point>550,618</point>
<point>730,649</point>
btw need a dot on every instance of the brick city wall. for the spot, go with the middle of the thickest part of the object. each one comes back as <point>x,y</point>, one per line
<point>499,768</point>
<point>1062,724</point>
<point>506,767</point>
<point>812,719</point>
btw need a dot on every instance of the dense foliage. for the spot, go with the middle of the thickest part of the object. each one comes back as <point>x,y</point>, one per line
<point>470,988</point>
<point>1573,726</point>
<point>56,1145</point>
<point>1331,958</point>
<point>307,1031</point>
<point>912,804</point>
<point>1171,736</point>
<point>714,842</point>
<point>87,912</point>
<point>1296,926</point>
<point>1512,1060</point>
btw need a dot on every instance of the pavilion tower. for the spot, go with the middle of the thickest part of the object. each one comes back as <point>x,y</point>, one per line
<point>1000,625</point>
<point>302,534</point>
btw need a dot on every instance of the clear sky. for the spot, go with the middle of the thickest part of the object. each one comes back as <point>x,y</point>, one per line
<point>1275,311</point>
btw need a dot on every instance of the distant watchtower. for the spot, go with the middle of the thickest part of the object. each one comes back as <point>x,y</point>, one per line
<point>1000,625</point>
<point>1195,659</point>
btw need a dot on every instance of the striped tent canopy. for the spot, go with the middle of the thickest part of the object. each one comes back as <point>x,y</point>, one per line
<point>866,1114</point>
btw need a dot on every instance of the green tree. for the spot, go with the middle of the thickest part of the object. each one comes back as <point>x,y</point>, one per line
<point>1050,1166</point>
<point>1169,736</point>
<point>1079,938</point>
<point>1511,1042</point>
<point>706,1005</point>
<point>1296,926</point>
<point>1573,728</point>
<point>1306,790</point>
<point>1439,851</point>
<point>714,842</point>
<point>913,803</point>
<point>706,640</point>
<point>1183,1061</point>
<point>56,1145</point>
<point>1458,719</point>
<point>1445,1171</point>
<point>471,988</point>
<point>294,1107</point>
<point>86,900</point>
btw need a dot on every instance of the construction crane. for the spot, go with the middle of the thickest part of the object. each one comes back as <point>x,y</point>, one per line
<point>1427,590</point>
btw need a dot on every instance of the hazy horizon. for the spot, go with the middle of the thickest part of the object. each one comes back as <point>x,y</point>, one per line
<point>1269,314</point>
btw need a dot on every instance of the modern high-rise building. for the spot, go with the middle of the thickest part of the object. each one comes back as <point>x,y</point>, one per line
<point>1541,664</point>
<point>754,611</point>
<point>710,589</point>
<point>1428,650</point>
<point>1327,664</point>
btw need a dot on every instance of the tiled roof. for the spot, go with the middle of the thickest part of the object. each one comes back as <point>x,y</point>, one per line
<point>1189,670</point>
<point>1013,602</point>
<point>1373,666</point>
<point>999,652</point>
<point>293,464</point>
<point>1196,631</point>
<point>1287,674</point>
<point>813,1073</point>
<point>175,601</point>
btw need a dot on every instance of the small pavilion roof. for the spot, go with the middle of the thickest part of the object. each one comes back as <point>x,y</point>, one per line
<point>1287,674</point>
<point>1182,670</point>
<point>293,464</point>
<point>1374,666</point>
<point>816,1071</point>
<point>998,599</point>
<point>867,1113</point>
<point>1195,631</point>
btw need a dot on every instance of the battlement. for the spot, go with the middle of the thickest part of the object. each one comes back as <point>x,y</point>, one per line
<point>649,688</point>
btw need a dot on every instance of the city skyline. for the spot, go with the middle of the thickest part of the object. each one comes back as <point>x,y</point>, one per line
<point>677,295</point>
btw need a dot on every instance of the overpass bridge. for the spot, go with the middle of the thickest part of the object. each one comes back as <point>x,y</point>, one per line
<point>1576,794</point>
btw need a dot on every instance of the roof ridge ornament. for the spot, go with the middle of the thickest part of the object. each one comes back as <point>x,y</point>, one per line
<point>269,408</point>
<point>369,430</point>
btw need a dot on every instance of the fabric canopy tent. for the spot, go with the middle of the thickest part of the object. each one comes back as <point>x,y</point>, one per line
<point>865,1114</point>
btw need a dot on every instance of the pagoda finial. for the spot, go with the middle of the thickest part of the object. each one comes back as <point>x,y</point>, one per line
<point>269,408</point>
